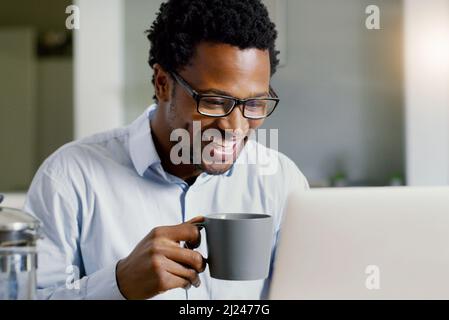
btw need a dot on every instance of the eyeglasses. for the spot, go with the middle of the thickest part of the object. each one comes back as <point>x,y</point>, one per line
<point>218,106</point>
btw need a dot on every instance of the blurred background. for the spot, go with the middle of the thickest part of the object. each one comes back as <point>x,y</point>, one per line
<point>359,106</point>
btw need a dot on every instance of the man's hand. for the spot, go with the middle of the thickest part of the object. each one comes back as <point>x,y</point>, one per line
<point>158,263</point>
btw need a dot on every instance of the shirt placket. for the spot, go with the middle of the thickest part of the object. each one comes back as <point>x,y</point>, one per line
<point>192,208</point>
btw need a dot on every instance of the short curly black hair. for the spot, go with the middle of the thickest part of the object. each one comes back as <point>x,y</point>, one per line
<point>180,25</point>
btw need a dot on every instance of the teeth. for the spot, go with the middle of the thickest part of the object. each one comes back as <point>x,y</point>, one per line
<point>226,145</point>
<point>228,149</point>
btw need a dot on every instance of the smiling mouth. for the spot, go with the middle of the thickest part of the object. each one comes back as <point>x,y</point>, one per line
<point>227,150</point>
<point>228,147</point>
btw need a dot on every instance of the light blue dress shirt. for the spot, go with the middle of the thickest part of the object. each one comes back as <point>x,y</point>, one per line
<point>99,196</point>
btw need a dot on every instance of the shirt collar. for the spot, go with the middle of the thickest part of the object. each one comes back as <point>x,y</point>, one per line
<point>141,146</point>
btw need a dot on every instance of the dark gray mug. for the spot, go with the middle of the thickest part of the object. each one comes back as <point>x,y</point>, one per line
<point>239,245</point>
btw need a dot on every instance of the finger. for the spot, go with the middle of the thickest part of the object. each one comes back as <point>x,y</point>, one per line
<point>187,257</point>
<point>185,244</point>
<point>183,272</point>
<point>196,220</point>
<point>183,232</point>
<point>173,281</point>
<point>195,244</point>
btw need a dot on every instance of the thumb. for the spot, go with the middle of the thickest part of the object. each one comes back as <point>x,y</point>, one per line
<point>196,220</point>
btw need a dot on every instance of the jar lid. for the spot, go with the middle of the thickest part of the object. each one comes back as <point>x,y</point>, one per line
<point>16,220</point>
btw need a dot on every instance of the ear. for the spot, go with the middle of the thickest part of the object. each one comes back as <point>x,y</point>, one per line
<point>162,83</point>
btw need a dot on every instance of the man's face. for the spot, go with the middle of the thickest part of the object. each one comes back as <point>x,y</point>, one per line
<point>225,70</point>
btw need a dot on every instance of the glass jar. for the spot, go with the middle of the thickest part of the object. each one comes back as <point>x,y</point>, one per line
<point>18,257</point>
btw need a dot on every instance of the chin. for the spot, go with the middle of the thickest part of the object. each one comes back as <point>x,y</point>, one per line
<point>214,169</point>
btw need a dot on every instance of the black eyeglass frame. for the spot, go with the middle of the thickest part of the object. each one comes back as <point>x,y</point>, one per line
<point>198,96</point>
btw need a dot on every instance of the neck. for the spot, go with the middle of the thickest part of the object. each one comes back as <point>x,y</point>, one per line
<point>163,145</point>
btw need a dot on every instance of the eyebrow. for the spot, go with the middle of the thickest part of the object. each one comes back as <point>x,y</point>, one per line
<point>224,93</point>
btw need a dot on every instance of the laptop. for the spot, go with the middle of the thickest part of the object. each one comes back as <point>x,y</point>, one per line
<point>364,243</point>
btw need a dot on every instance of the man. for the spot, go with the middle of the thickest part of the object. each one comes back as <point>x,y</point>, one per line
<point>114,206</point>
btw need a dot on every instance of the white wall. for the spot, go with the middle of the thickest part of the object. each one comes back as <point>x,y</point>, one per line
<point>341,90</point>
<point>138,94</point>
<point>427,91</point>
<point>99,72</point>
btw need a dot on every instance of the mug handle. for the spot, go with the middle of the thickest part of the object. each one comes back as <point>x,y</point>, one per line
<point>200,225</point>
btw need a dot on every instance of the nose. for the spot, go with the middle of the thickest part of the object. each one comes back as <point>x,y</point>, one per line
<point>234,121</point>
